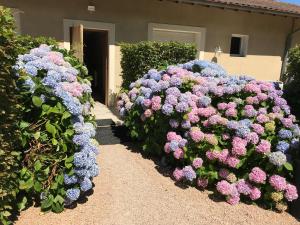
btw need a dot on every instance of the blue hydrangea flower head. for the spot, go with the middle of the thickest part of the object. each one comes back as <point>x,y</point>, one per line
<point>86,184</point>
<point>73,194</point>
<point>282,146</point>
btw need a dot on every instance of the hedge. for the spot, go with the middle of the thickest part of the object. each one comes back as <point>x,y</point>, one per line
<point>292,80</point>
<point>37,132</point>
<point>9,113</point>
<point>138,58</point>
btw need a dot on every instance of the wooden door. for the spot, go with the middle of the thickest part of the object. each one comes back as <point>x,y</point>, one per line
<point>77,41</point>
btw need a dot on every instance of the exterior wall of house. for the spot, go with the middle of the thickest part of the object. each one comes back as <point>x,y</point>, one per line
<point>267,33</point>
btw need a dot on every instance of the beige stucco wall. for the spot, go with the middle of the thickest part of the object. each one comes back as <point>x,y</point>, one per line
<point>131,18</point>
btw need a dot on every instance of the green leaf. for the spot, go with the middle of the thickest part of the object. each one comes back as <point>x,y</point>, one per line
<point>24,124</point>
<point>54,141</point>
<point>47,202</point>
<point>37,135</point>
<point>50,128</point>
<point>6,213</point>
<point>37,101</point>
<point>37,186</point>
<point>288,166</point>
<point>65,115</point>
<point>59,199</point>
<point>37,165</point>
<point>22,203</point>
<point>26,185</point>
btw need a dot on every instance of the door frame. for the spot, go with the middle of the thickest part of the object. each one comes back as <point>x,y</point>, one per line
<point>200,33</point>
<point>92,25</point>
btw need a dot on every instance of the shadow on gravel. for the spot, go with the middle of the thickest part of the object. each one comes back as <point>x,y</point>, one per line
<point>108,133</point>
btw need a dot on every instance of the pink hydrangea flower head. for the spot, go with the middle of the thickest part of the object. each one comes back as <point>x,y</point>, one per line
<point>262,97</point>
<point>178,153</point>
<point>231,105</point>
<point>287,122</point>
<point>252,138</point>
<point>257,175</point>
<point>197,163</point>
<point>232,161</point>
<point>214,120</point>
<point>56,58</point>
<point>231,112</point>
<point>193,117</point>
<point>278,182</point>
<point>263,147</point>
<point>255,194</point>
<point>224,187</point>
<point>252,88</point>
<point>233,200</point>
<point>155,106</point>
<point>156,99</point>
<point>147,102</point>
<point>222,106</point>
<point>257,128</point>
<point>172,136</point>
<point>223,155</point>
<point>239,146</point>
<point>291,193</point>
<point>167,148</point>
<point>212,155</point>
<point>261,118</point>
<point>178,174</point>
<point>206,112</point>
<point>166,77</point>
<point>196,134</point>
<point>74,88</point>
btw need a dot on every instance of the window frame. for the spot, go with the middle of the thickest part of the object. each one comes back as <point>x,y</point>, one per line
<point>243,45</point>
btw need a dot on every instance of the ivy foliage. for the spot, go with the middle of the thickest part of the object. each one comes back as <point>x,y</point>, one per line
<point>138,58</point>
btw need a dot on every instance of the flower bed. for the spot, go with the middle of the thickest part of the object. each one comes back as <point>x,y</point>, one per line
<point>232,133</point>
<point>59,157</point>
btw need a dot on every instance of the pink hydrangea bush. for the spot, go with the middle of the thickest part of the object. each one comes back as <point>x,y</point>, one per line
<point>235,134</point>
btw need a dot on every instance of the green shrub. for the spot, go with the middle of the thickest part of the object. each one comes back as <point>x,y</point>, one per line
<point>9,113</point>
<point>292,80</point>
<point>51,104</point>
<point>36,146</point>
<point>138,58</point>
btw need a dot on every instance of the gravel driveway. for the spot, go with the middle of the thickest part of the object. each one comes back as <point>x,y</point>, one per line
<point>131,191</point>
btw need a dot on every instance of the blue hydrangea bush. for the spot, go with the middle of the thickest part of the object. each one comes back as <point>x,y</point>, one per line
<point>58,129</point>
<point>231,133</point>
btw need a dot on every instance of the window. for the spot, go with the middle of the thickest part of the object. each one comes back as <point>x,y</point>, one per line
<point>183,34</point>
<point>239,45</point>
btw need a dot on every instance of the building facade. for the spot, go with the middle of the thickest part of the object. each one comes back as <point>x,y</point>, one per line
<point>244,41</point>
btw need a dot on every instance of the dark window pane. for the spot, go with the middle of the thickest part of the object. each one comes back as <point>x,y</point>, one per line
<point>235,47</point>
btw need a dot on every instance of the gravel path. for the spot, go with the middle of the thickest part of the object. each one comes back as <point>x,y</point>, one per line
<point>131,191</point>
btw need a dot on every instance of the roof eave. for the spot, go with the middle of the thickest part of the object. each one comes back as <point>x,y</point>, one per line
<point>237,8</point>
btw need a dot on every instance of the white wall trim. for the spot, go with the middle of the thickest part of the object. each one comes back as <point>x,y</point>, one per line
<point>111,45</point>
<point>17,16</point>
<point>200,33</point>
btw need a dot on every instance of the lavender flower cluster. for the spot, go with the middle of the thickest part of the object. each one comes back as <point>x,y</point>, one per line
<point>49,68</point>
<point>226,115</point>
